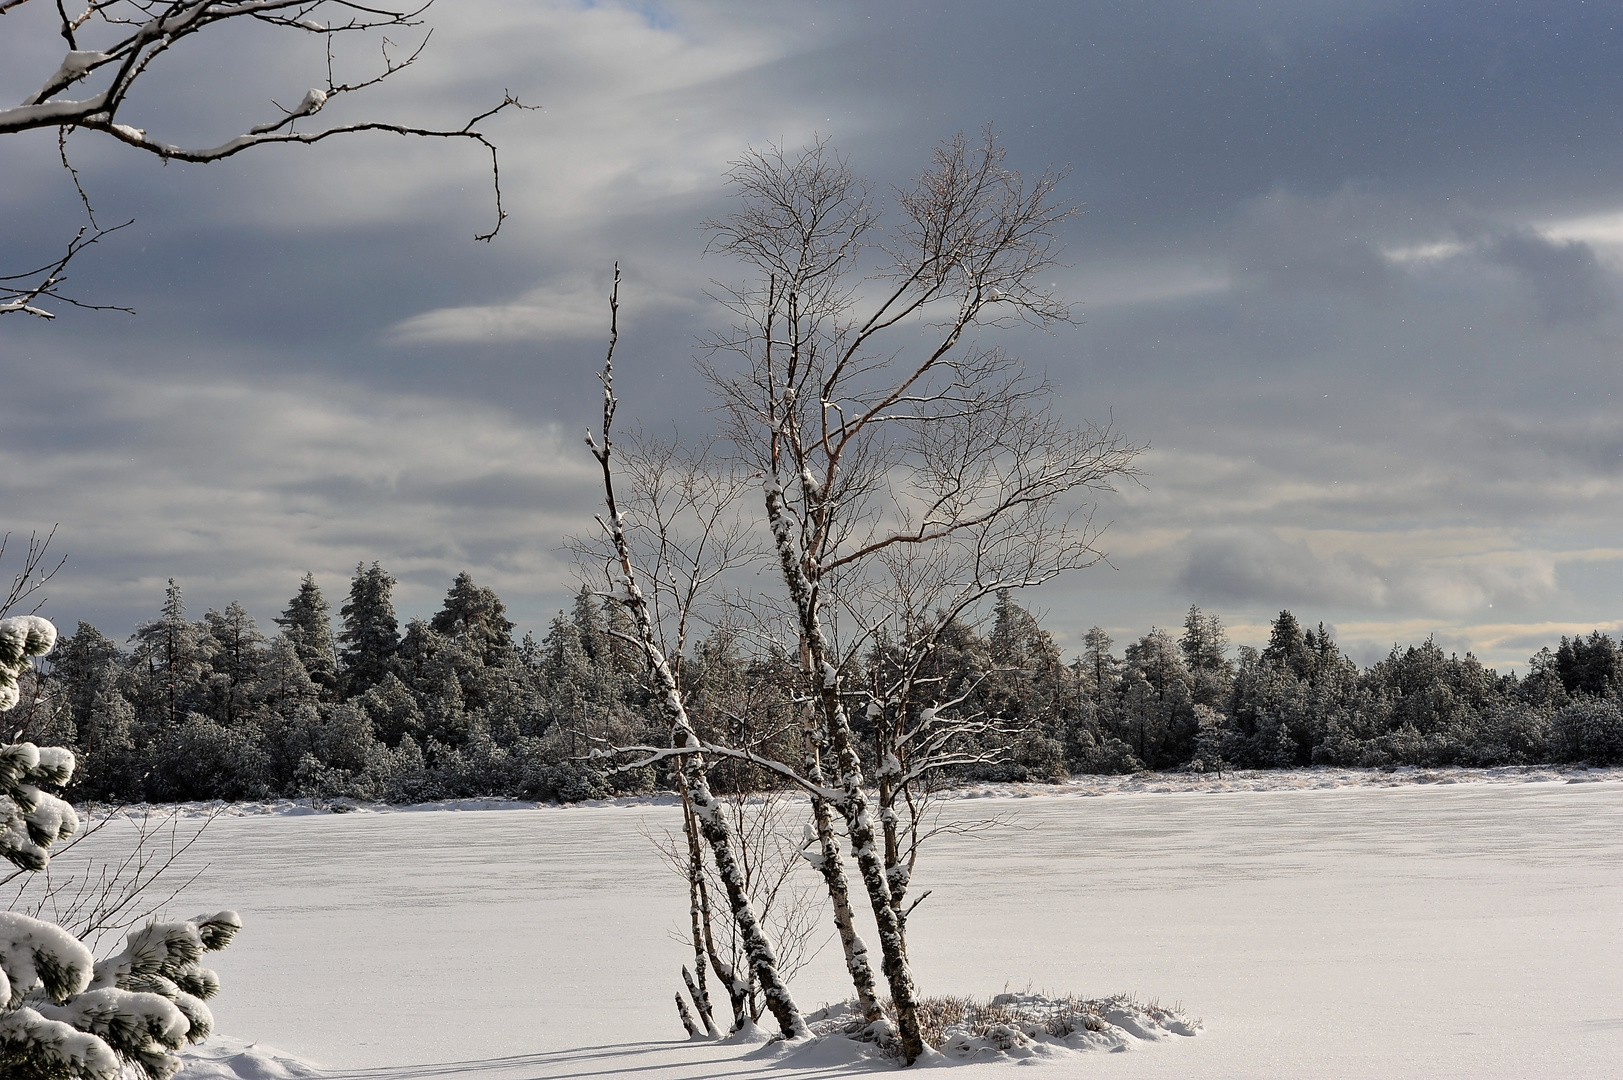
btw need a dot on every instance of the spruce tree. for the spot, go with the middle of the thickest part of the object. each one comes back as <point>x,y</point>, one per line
<point>171,662</point>
<point>307,623</point>
<point>371,635</point>
<point>1098,659</point>
<point>77,666</point>
<point>1287,646</point>
<point>108,764</point>
<point>237,651</point>
<point>478,615</point>
<point>1204,641</point>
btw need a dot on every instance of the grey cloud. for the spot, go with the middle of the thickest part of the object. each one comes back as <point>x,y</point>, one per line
<point>1257,566</point>
<point>1567,282</point>
<point>1289,245</point>
<point>326,368</point>
<point>263,482</point>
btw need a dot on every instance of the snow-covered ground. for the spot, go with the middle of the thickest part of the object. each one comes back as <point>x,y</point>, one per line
<point>1425,929</point>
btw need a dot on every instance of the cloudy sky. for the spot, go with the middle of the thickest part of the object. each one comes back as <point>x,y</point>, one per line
<point>1353,269</point>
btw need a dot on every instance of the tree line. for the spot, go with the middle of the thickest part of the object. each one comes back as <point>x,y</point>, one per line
<point>453,706</point>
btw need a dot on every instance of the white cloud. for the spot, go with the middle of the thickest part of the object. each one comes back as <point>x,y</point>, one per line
<point>570,309</point>
<point>1599,229</point>
<point>1145,283</point>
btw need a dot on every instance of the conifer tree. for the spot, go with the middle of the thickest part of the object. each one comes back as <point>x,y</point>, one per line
<point>478,615</point>
<point>1287,646</point>
<point>236,650</point>
<point>1204,641</point>
<point>396,712</point>
<point>371,635</point>
<point>78,664</point>
<point>106,734</point>
<point>62,1015</point>
<point>283,683</point>
<point>308,625</point>
<point>1099,663</point>
<point>171,661</point>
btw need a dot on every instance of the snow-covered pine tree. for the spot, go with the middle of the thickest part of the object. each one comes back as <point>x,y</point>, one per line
<point>171,659</point>
<point>371,634</point>
<point>477,614</point>
<point>64,1016</point>
<point>237,651</point>
<point>21,638</point>
<point>308,625</point>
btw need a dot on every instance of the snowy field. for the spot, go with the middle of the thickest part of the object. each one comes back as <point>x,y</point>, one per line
<point>1326,929</point>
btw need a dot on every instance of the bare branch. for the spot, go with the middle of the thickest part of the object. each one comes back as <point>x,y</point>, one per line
<point>133,34</point>
<point>35,571</point>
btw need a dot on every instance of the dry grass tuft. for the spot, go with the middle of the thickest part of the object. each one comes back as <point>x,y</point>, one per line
<point>1007,1022</point>
<point>940,1017</point>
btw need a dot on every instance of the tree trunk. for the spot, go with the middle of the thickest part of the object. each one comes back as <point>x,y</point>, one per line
<point>712,820</point>
<point>737,989</point>
<point>701,999</point>
<point>832,867</point>
<point>708,814</point>
<point>687,1017</point>
<point>852,801</point>
<point>699,912</point>
<point>853,806</point>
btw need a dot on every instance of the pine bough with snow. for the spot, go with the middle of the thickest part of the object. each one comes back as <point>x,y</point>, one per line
<point>63,1014</point>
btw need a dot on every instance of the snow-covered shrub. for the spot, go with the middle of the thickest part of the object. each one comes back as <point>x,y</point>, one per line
<point>1590,729</point>
<point>1029,1027</point>
<point>1339,748</point>
<point>1510,734</point>
<point>1103,754</point>
<point>64,1016</point>
<point>67,1018</point>
<point>206,761</point>
<point>528,769</point>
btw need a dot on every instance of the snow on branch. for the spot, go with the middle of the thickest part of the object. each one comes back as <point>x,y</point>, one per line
<point>132,34</point>
<point>149,30</point>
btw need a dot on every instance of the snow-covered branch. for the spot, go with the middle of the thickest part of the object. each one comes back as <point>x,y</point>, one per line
<point>654,755</point>
<point>112,44</point>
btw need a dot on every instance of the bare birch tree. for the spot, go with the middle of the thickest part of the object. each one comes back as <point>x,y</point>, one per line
<point>679,509</point>
<point>112,44</point>
<point>876,418</point>
<point>709,813</point>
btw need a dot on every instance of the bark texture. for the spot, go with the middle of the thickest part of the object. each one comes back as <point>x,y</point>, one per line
<point>832,867</point>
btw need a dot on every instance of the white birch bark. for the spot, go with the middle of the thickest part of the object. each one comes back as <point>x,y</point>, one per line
<point>707,811</point>
<point>832,867</point>
<point>699,914</point>
<point>852,800</point>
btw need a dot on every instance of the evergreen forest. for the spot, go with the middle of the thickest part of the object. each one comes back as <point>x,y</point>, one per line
<point>454,707</point>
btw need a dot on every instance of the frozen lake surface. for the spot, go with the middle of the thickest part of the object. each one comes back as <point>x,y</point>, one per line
<point>1470,930</point>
